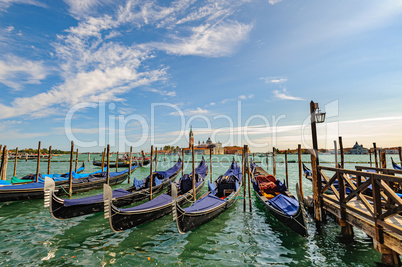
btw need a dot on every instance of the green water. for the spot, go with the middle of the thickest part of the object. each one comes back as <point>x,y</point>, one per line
<point>31,237</point>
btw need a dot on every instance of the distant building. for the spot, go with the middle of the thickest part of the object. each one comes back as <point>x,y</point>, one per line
<point>205,148</point>
<point>358,149</point>
<point>391,151</point>
<point>233,150</point>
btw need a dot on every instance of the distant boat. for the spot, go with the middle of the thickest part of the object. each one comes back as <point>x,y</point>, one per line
<point>125,164</point>
<point>394,165</point>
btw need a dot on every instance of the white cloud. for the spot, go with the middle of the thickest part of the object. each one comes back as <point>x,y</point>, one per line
<point>273,2</point>
<point>83,8</point>
<point>161,92</point>
<point>16,71</point>
<point>284,95</point>
<point>4,4</point>
<point>245,97</point>
<point>192,112</point>
<point>94,68</point>
<point>278,80</point>
<point>208,40</point>
<point>9,29</point>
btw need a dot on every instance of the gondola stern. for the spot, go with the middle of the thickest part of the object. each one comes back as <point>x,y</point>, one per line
<point>48,192</point>
<point>177,211</point>
<point>107,200</point>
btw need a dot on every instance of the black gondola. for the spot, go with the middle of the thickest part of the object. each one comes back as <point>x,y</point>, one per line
<point>123,219</point>
<point>34,190</point>
<point>30,178</point>
<point>220,196</point>
<point>123,164</point>
<point>69,208</point>
<point>279,201</point>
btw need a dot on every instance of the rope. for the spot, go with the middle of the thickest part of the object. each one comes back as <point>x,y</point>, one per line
<point>298,222</point>
<point>63,189</point>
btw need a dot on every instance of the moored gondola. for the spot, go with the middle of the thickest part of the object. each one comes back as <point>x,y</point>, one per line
<point>34,190</point>
<point>123,219</point>
<point>69,208</point>
<point>279,201</point>
<point>123,164</point>
<point>221,195</point>
<point>30,178</point>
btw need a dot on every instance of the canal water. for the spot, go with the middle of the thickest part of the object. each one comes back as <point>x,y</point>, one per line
<point>31,237</point>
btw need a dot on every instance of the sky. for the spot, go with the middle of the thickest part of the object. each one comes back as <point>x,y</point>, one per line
<point>136,73</point>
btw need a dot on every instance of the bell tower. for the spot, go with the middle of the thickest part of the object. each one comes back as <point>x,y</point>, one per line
<point>191,137</point>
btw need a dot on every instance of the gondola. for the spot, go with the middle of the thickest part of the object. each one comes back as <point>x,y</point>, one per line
<point>81,182</point>
<point>394,165</point>
<point>68,208</point>
<point>123,219</point>
<point>279,201</point>
<point>30,178</point>
<point>123,164</point>
<point>220,196</point>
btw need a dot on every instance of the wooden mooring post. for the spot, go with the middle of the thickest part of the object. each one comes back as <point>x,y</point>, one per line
<point>182,158</point>
<point>38,163</point>
<point>15,162</point>
<point>130,162</point>
<point>249,180</point>
<point>300,171</point>
<point>108,163</point>
<point>193,156</point>
<point>156,159</point>
<point>318,210</point>
<point>243,168</point>
<point>375,154</point>
<point>342,153</point>
<point>117,161</point>
<point>4,161</point>
<point>210,161</point>
<point>49,159</point>
<point>70,174</point>
<point>286,169</point>
<point>151,173</point>
<point>273,162</point>
<point>76,160</point>
<point>103,159</point>
<point>400,155</point>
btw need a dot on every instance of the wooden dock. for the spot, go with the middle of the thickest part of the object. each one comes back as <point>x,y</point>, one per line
<point>365,199</point>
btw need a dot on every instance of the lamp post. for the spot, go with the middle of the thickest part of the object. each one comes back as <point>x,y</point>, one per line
<point>316,117</point>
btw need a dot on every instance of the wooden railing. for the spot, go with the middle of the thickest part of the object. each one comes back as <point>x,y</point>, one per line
<point>381,203</point>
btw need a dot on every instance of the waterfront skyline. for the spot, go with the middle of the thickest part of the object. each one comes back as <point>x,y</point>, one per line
<point>242,72</point>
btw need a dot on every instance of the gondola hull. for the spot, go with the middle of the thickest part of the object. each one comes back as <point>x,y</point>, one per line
<point>297,222</point>
<point>189,221</point>
<point>60,211</point>
<point>120,220</point>
<point>121,164</point>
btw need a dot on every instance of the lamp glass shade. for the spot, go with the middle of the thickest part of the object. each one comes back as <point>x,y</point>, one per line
<point>320,117</point>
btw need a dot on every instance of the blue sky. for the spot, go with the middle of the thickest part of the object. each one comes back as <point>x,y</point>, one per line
<point>242,72</point>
